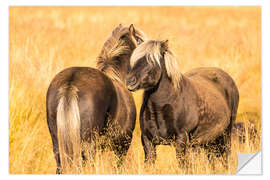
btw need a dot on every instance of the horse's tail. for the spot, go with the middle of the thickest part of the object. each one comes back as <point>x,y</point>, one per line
<point>68,127</point>
<point>234,105</point>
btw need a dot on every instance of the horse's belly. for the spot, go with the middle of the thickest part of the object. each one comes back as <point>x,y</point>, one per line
<point>211,125</point>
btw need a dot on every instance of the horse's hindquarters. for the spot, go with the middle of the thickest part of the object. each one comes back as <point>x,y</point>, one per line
<point>83,91</point>
<point>218,102</point>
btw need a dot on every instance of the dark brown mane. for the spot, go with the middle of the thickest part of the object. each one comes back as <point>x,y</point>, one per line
<point>112,48</point>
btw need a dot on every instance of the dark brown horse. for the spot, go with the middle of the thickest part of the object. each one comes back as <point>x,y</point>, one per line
<point>195,108</point>
<point>83,102</point>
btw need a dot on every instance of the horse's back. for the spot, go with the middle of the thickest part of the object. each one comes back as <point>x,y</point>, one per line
<point>221,80</point>
<point>95,92</point>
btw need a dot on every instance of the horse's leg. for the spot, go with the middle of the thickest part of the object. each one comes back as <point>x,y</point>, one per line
<point>220,148</point>
<point>149,150</point>
<point>211,151</point>
<point>223,147</point>
<point>120,148</point>
<point>227,147</point>
<point>228,135</point>
<point>180,147</point>
<point>57,155</point>
<point>55,148</point>
<point>92,152</point>
<point>89,152</point>
<point>53,131</point>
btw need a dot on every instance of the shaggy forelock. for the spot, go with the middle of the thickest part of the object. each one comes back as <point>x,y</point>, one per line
<point>151,50</point>
<point>148,49</point>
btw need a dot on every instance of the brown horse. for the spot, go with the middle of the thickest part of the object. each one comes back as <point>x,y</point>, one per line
<point>195,108</point>
<point>83,102</point>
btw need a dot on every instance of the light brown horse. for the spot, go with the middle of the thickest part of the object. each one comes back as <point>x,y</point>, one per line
<point>197,108</point>
<point>83,102</point>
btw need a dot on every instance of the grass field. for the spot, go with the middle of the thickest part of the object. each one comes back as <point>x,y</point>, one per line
<point>45,40</point>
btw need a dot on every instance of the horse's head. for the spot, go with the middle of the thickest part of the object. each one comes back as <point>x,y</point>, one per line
<point>116,52</point>
<point>148,62</point>
<point>130,36</point>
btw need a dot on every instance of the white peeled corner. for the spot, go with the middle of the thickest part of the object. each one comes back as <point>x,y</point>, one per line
<point>249,164</point>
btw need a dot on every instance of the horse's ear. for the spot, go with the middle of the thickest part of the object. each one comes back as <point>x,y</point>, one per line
<point>131,29</point>
<point>164,46</point>
<point>117,28</point>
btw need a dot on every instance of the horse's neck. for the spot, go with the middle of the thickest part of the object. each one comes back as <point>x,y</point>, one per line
<point>123,67</point>
<point>124,96</point>
<point>165,93</point>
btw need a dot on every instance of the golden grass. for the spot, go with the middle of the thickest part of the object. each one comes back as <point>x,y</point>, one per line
<point>45,40</point>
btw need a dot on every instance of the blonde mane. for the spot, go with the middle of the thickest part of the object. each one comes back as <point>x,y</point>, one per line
<point>172,69</point>
<point>114,47</point>
<point>151,50</point>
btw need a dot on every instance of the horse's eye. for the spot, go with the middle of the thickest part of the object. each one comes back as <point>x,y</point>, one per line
<point>139,40</point>
<point>123,36</point>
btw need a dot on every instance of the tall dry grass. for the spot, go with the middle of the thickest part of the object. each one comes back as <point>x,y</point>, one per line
<point>45,40</point>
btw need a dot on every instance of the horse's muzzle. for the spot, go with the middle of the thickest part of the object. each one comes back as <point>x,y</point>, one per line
<point>131,83</point>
